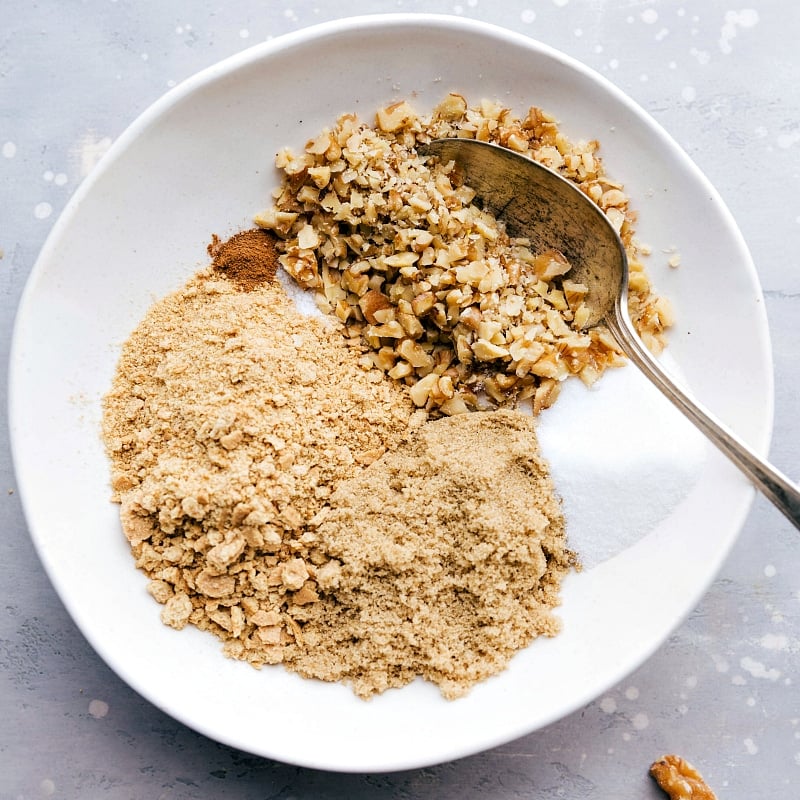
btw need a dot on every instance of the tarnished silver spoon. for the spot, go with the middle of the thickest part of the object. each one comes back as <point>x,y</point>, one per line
<point>537,203</point>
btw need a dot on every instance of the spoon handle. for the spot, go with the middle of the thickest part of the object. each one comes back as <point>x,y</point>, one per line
<point>774,485</point>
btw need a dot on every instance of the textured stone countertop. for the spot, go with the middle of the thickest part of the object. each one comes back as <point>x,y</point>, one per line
<point>724,690</point>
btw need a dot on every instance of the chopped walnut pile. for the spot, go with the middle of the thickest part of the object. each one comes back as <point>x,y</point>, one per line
<point>680,780</point>
<point>395,246</point>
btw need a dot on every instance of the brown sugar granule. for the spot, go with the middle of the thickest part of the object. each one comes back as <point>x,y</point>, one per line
<point>249,258</point>
<point>447,558</point>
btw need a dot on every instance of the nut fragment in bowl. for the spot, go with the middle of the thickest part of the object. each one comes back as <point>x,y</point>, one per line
<point>396,246</point>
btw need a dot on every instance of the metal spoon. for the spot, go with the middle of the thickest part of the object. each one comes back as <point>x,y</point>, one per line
<point>537,203</point>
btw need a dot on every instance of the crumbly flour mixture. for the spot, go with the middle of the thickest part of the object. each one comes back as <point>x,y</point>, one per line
<point>293,502</point>
<point>231,419</point>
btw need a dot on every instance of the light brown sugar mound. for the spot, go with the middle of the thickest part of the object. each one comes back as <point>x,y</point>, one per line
<point>447,558</point>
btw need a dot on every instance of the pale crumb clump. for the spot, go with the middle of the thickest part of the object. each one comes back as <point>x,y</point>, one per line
<point>395,247</point>
<point>680,780</point>
<point>231,419</point>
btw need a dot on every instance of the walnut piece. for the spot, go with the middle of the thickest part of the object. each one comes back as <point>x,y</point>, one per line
<point>680,780</point>
<point>398,249</point>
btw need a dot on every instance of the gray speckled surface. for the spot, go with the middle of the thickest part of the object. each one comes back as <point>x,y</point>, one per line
<point>723,690</point>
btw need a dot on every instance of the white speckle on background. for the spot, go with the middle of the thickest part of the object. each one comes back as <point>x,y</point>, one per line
<point>560,3</point>
<point>770,570</point>
<point>578,32</point>
<point>758,670</point>
<point>89,150</point>
<point>98,708</point>
<point>751,701</point>
<point>608,705</point>
<point>774,641</point>
<point>528,15</point>
<point>681,12</point>
<point>734,20</point>
<point>640,721</point>
<point>472,3</point>
<point>702,56</point>
<point>42,210</point>
<point>688,94</point>
<point>9,149</point>
<point>59,179</point>
<point>458,9</point>
<point>644,77</point>
<point>145,57</point>
<point>761,131</point>
<point>691,681</point>
<point>632,693</point>
<point>244,33</point>
<point>738,680</point>
<point>683,709</point>
<point>673,65</point>
<point>649,16</point>
<point>626,736</point>
<point>598,48</point>
<point>662,34</point>
<point>750,746</point>
<point>47,787</point>
<point>721,664</point>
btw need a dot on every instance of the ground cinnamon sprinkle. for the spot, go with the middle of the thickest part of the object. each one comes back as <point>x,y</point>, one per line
<point>248,258</point>
<point>287,497</point>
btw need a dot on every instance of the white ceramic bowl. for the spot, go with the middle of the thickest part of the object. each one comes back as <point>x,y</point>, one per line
<point>651,507</point>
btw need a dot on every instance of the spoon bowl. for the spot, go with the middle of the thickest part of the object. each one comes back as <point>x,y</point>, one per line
<point>539,204</point>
